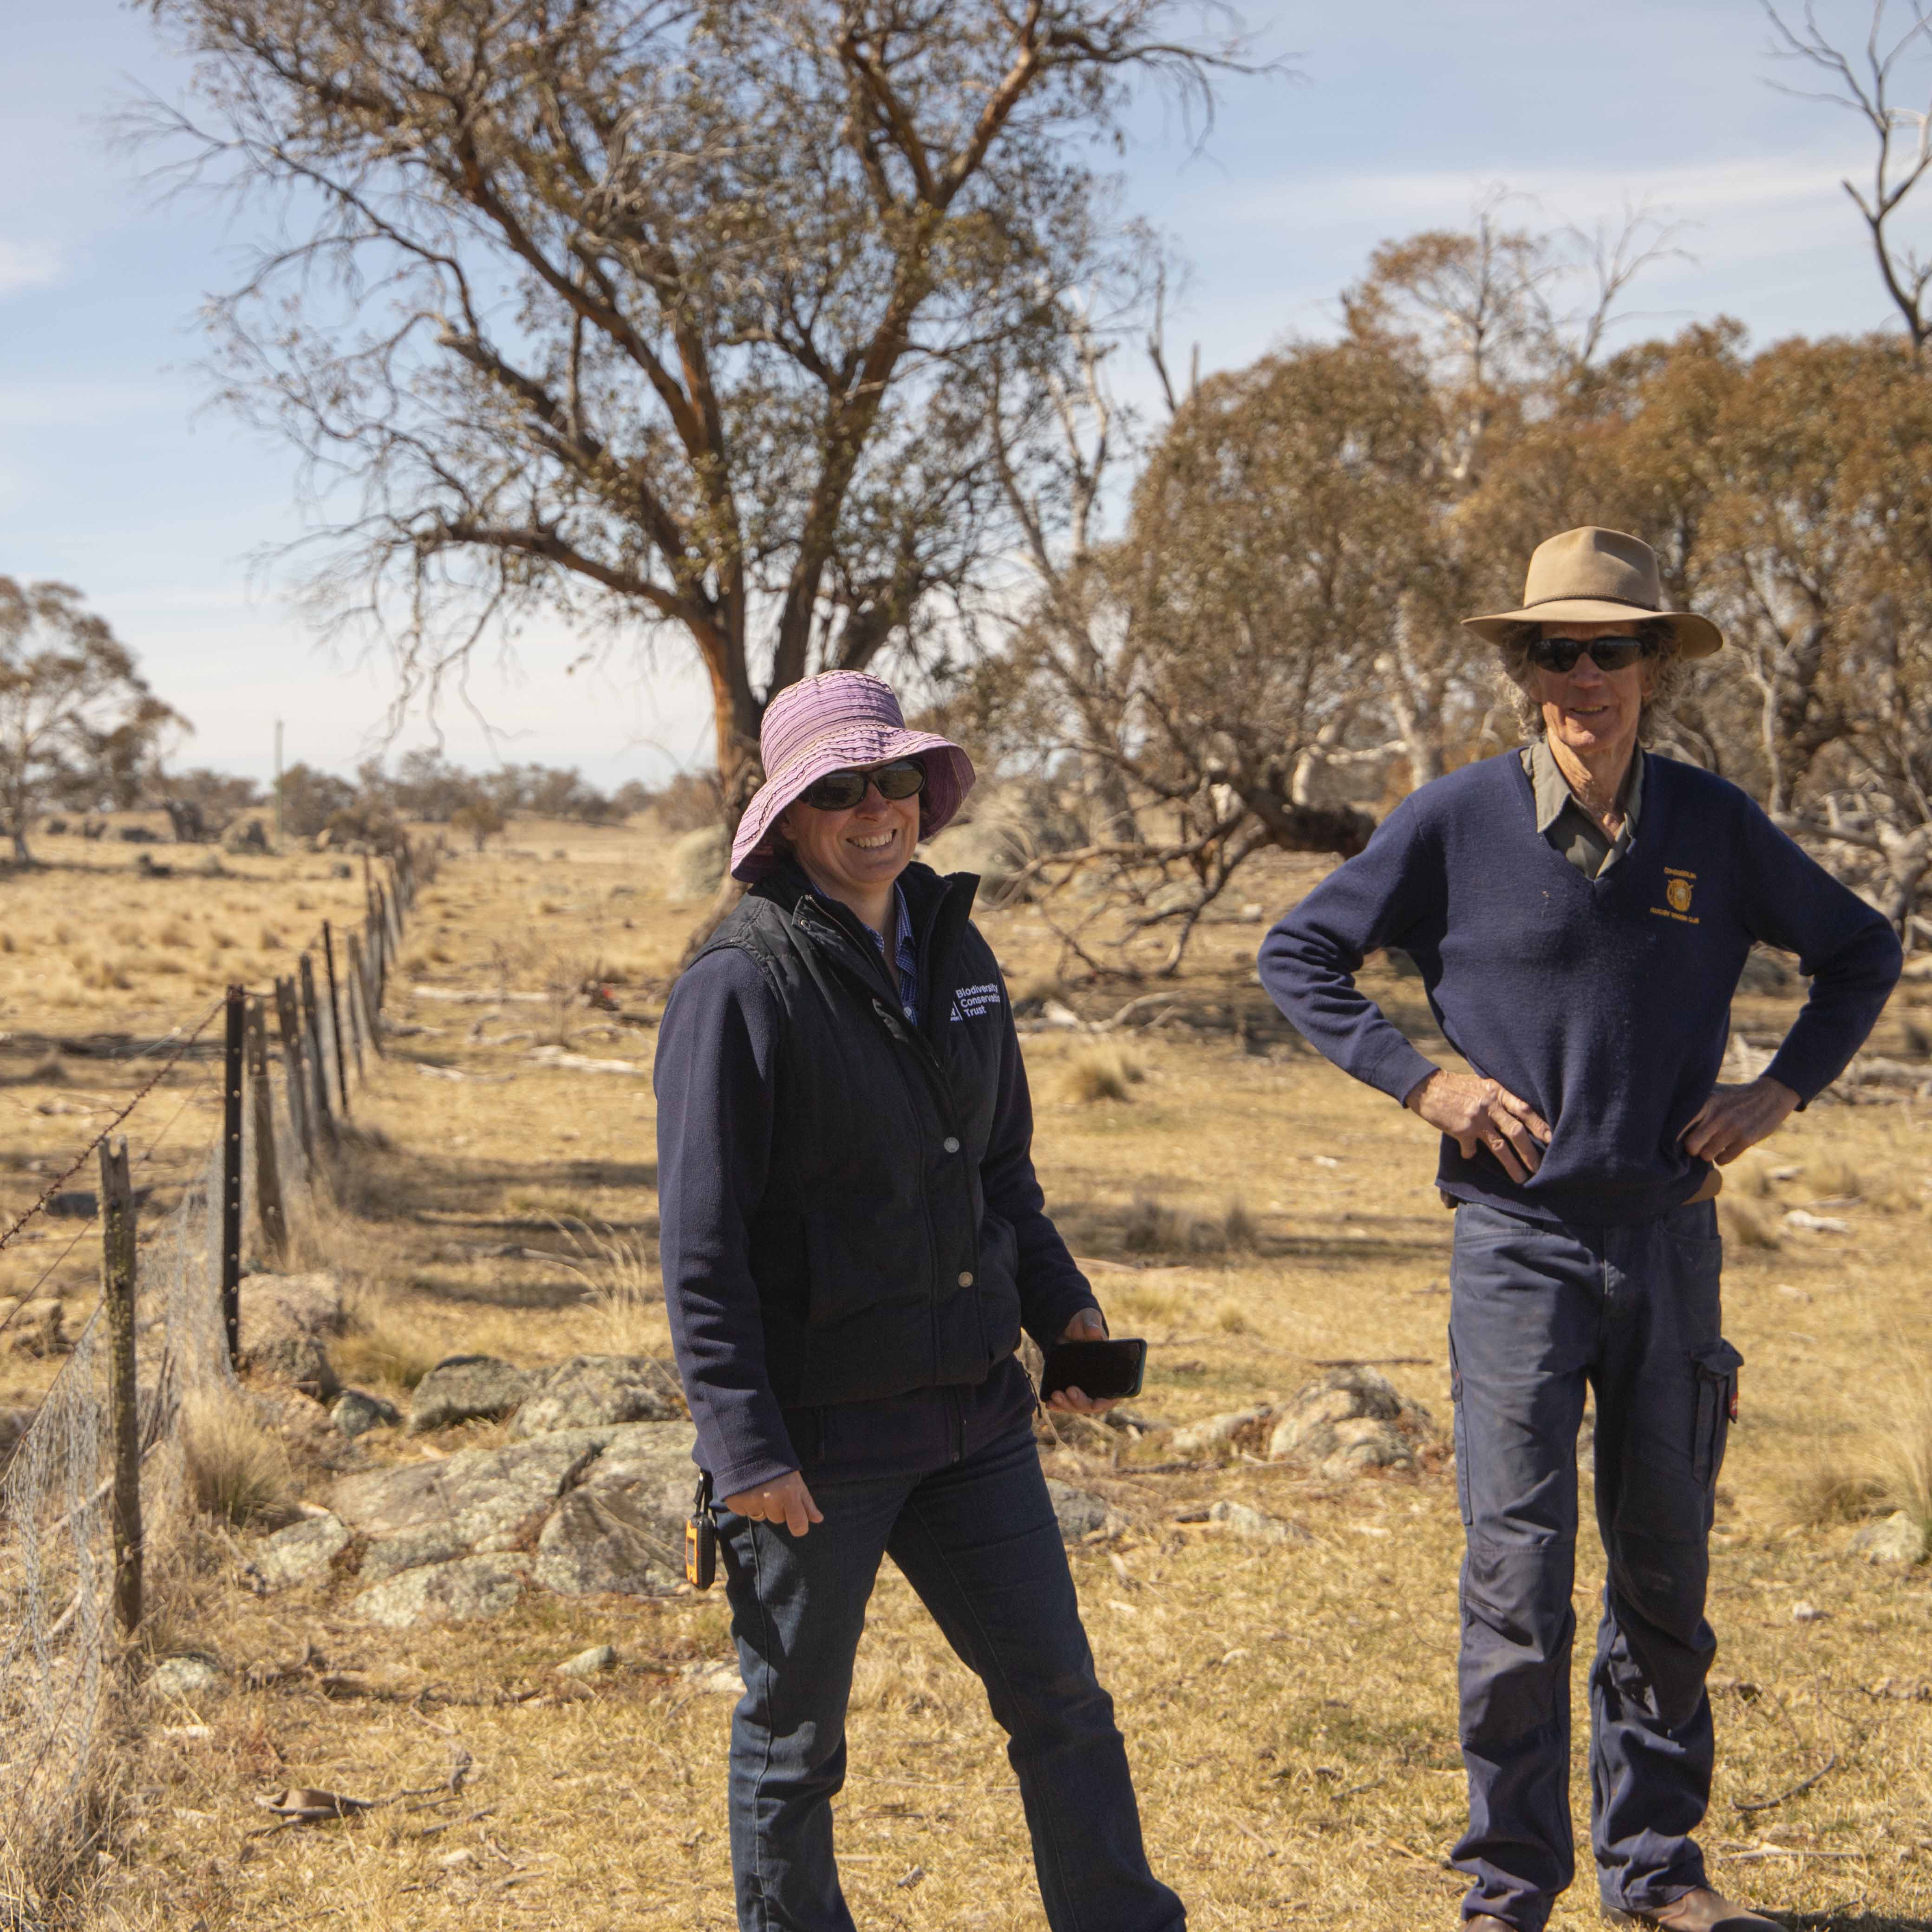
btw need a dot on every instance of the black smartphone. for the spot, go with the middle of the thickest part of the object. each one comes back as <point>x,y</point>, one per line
<point>1105,1370</point>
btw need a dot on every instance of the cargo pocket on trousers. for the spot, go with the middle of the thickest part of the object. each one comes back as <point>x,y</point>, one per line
<point>1461,1435</point>
<point>1717,1364</point>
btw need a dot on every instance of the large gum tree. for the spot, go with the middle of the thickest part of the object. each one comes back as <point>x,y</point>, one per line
<point>675,317</point>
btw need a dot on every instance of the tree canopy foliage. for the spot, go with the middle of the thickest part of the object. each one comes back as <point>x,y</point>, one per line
<point>680,313</point>
<point>79,726</point>
<point>1269,649</point>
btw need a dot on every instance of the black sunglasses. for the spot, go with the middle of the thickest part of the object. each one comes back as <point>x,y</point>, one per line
<point>840,791</point>
<point>1560,654</point>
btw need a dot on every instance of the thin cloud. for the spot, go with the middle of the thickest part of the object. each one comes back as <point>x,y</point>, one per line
<point>28,265</point>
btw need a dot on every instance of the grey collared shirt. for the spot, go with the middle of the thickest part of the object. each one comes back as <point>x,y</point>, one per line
<point>1575,832</point>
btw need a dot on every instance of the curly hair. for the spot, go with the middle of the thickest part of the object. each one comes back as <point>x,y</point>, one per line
<point>1517,676</point>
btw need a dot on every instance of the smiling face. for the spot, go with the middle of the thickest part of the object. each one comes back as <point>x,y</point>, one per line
<point>854,856</point>
<point>1592,713</point>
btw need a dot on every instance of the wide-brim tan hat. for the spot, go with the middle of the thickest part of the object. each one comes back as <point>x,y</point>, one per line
<point>1595,576</point>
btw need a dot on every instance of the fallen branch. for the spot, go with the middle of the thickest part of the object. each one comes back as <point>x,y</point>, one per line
<point>1797,1790</point>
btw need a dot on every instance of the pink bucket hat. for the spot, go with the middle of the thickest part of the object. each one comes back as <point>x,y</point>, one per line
<point>829,724</point>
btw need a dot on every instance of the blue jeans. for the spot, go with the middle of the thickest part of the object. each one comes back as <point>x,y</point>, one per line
<point>978,1541</point>
<point>1536,1312</point>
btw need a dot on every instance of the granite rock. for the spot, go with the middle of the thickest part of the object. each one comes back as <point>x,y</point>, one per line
<point>590,1390</point>
<point>465,1591</point>
<point>302,1550</point>
<point>465,1388</point>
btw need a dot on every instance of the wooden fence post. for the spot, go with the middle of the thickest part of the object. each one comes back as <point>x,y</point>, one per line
<point>231,1170</point>
<point>118,1266</point>
<point>359,973</point>
<point>290,1027</point>
<point>312,1032</point>
<point>268,1172</point>
<point>335,1018</point>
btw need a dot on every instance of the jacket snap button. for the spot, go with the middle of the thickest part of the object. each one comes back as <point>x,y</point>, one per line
<point>965,1277</point>
<point>951,1145</point>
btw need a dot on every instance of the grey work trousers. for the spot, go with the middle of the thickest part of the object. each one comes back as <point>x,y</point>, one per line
<point>1537,1311</point>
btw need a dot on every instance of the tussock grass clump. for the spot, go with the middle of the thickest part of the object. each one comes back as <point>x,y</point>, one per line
<point>1832,1179</point>
<point>1239,1226</point>
<point>1101,1073</point>
<point>233,1469</point>
<point>1826,1492</point>
<point>1907,1450</point>
<point>379,1347</point>
<point>620,1288</point>
<point>1745,1224</point>
<point>1750,1178</point>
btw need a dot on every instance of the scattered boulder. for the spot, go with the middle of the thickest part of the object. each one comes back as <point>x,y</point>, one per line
<point>462,1592</point>
<point>695,866</point>
<point>714,1677</point>
<point>589,1663</point>
<point>37,1328</point>
<point>356,1412</point>
<point>589,1390</point>
<point>285,1320</point>
<point>1220,1432</point>
<point>472,1496</point>
<point>1900,1538</point>
<point>1080,1514</point>
<point>1352,1419</point>
<point>303,1550</point>
<point>1255,1525</point>
<point>183,1677</point>
<point>607,1540</point>
<point>464,1388</point>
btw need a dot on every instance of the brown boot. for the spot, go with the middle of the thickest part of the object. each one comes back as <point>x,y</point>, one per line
<point>1700,1909</point>
<point>1487,1921</point>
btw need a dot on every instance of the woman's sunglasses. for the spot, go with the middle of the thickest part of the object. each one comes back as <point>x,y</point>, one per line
<point>840,791</point>
<point>1560,654</point>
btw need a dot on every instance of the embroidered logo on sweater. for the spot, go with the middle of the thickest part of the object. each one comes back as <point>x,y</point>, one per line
<point>1677,889</point>
<point>973,1003</point>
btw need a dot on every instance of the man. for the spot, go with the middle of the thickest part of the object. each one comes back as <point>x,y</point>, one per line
<point>1580,911</point>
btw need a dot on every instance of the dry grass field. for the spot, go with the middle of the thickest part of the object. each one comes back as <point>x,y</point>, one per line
<point>1289,1705</point>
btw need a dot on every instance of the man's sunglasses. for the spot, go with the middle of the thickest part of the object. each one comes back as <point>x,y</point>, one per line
<point>1560,654</point>
<point>840,791</point>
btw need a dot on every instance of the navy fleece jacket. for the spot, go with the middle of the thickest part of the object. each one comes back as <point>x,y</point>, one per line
<point>1606,1003</point>
<point>718,1092</point>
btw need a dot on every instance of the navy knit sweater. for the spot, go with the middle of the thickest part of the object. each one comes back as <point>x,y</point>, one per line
<point>1606,1003</point>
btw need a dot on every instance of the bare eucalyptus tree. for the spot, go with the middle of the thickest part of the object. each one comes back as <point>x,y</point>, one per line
<point>1866,81</point>
<point>666,316</point>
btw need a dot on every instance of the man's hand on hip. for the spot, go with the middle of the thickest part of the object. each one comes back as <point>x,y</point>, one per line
<point>1474,1112</point>
<point>784,1500</point>
<point>1735,1118</point>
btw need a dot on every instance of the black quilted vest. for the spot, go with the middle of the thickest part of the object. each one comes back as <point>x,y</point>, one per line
<point>880,1268</point>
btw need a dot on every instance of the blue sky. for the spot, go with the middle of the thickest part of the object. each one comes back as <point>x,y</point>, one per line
<point>115,476</point>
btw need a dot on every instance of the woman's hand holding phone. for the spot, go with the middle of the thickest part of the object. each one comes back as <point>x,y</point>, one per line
<point>1089,1325</point>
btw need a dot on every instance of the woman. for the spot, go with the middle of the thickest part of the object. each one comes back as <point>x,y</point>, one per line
<point>853,1237</point>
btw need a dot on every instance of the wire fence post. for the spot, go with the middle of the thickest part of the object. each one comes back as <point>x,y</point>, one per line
<point>117,1267</point>
<point>359,973</point>
<point>231,1170</point>
<point>290,1029</point>
<point>335,1018</point>
<point>268,1175</point>
<point>325,1118</point>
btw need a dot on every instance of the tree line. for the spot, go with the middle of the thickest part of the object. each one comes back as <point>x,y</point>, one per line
<point>82,732</point>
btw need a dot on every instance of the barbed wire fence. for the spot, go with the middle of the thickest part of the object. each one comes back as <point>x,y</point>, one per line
<point>98,1477</point>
